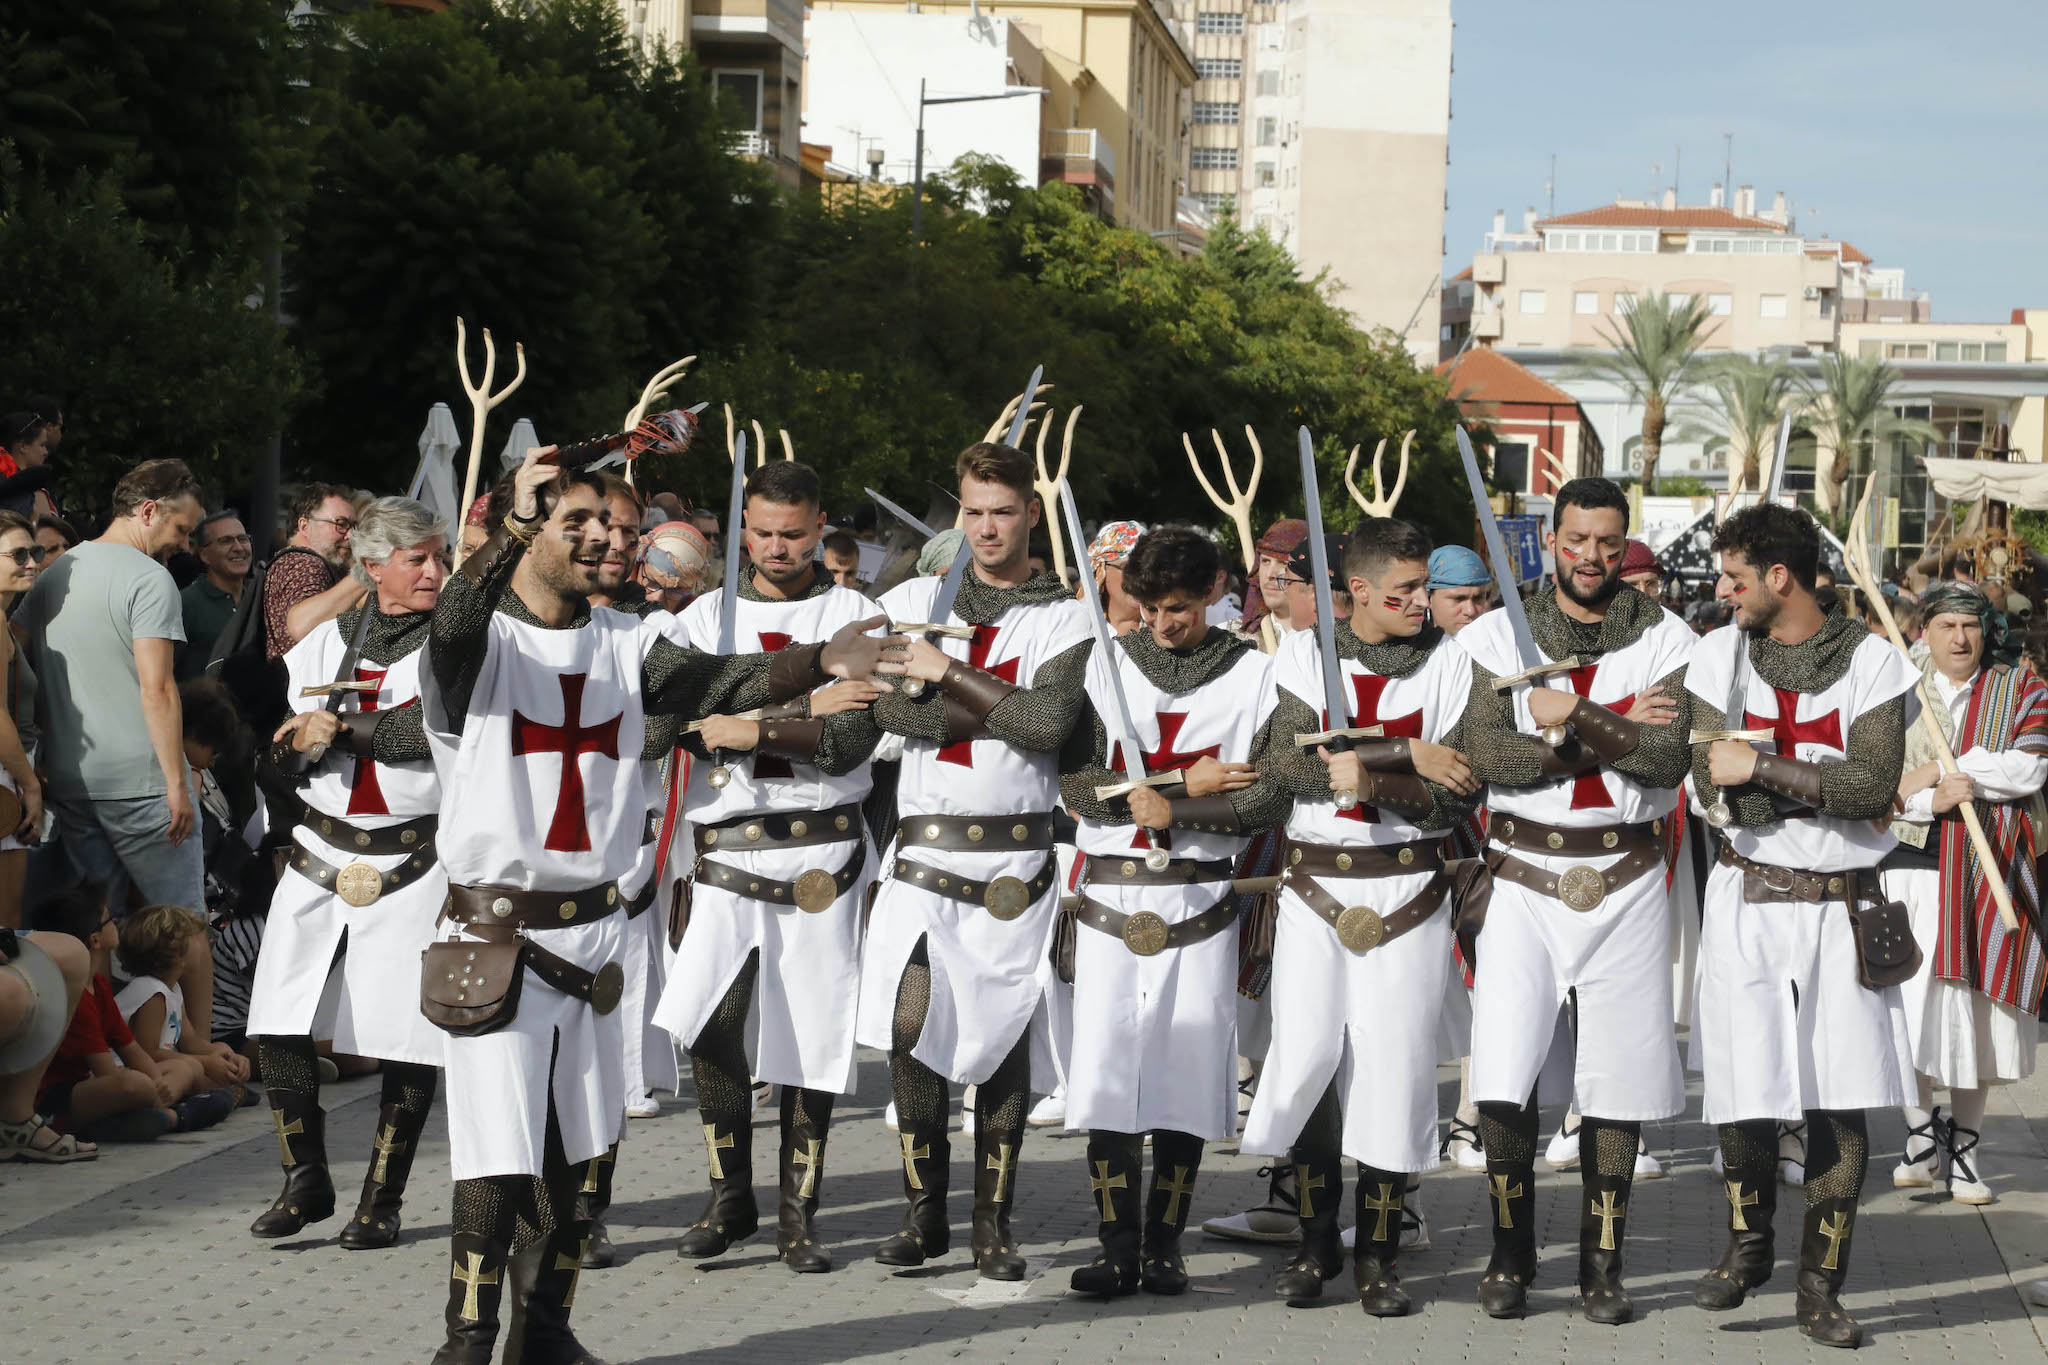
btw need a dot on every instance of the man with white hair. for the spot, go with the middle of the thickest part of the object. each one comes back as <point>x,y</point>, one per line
<point>357,906</point>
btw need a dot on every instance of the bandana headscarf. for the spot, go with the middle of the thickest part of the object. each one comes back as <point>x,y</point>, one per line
<point>1113,544</point>
<point>2002,645</point>
<point>938,552</point>
<point>1454,566</point>
<point>1639,558</point>
<point>479,511</point>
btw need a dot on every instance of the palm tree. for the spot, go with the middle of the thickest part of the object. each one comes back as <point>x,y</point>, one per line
<point>1651,359</point>
<point>1751,396</point>
<point>1852,408</point>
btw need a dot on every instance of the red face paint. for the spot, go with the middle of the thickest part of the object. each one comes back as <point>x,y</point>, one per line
<point>1614,558</point>
<point>1739,589</point>
<point>1567,553</point>
<point>1393,604</point>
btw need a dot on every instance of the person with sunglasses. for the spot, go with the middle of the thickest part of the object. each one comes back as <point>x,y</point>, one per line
<point>308,582</point>
<point>211,600</point>
<point>20,560</point>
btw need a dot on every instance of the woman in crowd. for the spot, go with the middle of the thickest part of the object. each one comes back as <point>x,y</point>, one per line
<point>21,795</point>
<point>24,479</point>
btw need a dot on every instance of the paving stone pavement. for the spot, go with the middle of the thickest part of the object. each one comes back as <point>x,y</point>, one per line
<point>144,1255</point>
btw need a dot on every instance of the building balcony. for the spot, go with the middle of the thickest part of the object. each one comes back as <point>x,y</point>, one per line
<point>1080,157</point>
<point>751,143</point>
<point>1486,326</point>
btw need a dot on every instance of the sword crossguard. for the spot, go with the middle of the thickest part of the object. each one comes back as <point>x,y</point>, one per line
<point>1745,736</point>
<point>329,689</point>
<point>1116,789</point>
<point>697,725</point>
<point>931,628</point>
<point>1356,732</point>
<point>1506,681</point>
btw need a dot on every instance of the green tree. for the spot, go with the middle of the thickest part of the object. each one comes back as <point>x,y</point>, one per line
<point>1851,411</point>
<point>1651,357</point>
<point>1750,397</point>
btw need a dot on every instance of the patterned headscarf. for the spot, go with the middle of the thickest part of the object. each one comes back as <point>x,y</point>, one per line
<point>937,555</point>
<point>2002,643</point>
<point>1113,544</point>
<point>479,511</point>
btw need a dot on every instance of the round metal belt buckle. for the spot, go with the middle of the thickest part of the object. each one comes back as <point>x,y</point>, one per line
<point>1360,928</point>
<point>607,988</point>
<point>359,884</point>
<point>1145,933</point>
<point>1582,887</point>
<point>1006,898</point>
<point>815,891</point>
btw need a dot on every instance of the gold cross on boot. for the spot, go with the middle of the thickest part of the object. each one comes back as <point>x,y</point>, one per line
<point>1502,1193</point>
<point>716,1143</point>
<point>611,1154</point>
<point>473,1278</point>
<point>285,1132</point>
<point>1002,1164</point>
<point>1388,1202</point>
<point>574,1265</point>
<point>1608,1214</point>
<point>387,1146</point>
<point>911,1156</point>
<point>807,1157</point>
<point>1836,1230</point>
<point>1100,1184</point>
<point>1736,1204</point>
<point>1180,1187</point>
<point>1306,1186</point>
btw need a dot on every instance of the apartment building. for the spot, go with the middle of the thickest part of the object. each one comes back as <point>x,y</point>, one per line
<point>753,51</point>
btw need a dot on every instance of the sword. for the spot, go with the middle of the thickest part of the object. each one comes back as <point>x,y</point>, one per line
<point>1337,738</point>
<point>729,591</point>
<point>949,590</point>
<point>1718,811</point>
<point>1023,417</point>
<point>1106,646</point>
<point>1534,670</point>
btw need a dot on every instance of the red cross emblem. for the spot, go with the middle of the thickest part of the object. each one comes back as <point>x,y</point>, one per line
<point>1589,790</point>
<point>977,655</point>
<point>1789,732</point>
<point>773,765</point>
<point>1166,758</point>
<point>365,795</point>
<point>568,832</point>
<point>1367,689</point>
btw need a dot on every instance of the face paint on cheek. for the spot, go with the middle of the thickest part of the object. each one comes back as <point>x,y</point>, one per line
<point>1393,604</point>
<point>1614,558</point>
<point>1569,554</point>
<point>1739,589</point>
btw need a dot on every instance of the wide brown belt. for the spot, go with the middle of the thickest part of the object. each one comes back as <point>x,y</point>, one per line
<point>600,989</point>
<point>1178,872</point>
<point>1362,860</point>
<point>976,833</point>
<point>1360,928</point>
<point>358,883</point>
<point>497,905</point>
<point>375,842</point>
<point>1769,882</point>
<point>789,829</point>
<point>1005,898</point>
<point>1532,836</point>
<point>812,892</point>
<point>637,905</point>
<point>1147,934</point>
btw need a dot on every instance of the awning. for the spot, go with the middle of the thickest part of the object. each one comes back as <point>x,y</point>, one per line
<point>2020,483</point>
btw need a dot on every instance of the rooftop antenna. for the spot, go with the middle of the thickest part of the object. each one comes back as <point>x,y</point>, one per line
<point>1728,161</point>
<point>1550,186</point>
<point>1677,162</point>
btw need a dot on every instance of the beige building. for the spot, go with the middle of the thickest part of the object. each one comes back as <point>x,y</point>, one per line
<point>753,51</point>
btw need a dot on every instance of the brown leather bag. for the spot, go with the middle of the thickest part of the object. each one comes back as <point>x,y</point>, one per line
<point>1471,890</point>
<point>1066,934</point>
<point>469,987</point>
<point>678,915</point>
<point>1886,953</point>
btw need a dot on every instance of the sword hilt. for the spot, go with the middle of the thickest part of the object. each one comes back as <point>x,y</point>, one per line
<point>1744,736</point>
<point>330,689</point>
<point>697,725</point>
<point>931,628</point>
<point>1340,740</point>
<point>1116,789</point>
<point>1506,681</point>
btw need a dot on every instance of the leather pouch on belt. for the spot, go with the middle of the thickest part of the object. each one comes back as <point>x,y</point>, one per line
<point>1066,934</point>
<point>1886,953</point>
<point>469,987</point>
<point>1471,891</point>
<point>678,915</point>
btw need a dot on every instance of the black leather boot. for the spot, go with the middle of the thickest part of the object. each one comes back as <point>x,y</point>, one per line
<point>593,1201</point>
<point>544,1283</point>
<point>806,1116</point>
<point>1377,1241</point>
<point>1511,1199</point>
<point>374,1225</point>
<point>1603,1224</point>
<point>1116,1167</point>
<point>1752,1202</point>
<point>1823,1265</point>
<point>1318,1193</point>
<point>476,1287</point>
<point>308,1195</point>
<point>731,1214</point>
<point>1175,1159</point>
<point>995,1190</point>
<point>927,1167</point>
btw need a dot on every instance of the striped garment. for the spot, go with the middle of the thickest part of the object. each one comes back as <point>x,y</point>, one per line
<point>2008,710</point>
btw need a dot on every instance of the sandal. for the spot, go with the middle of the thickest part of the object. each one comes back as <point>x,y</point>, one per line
<point>18,1143</point>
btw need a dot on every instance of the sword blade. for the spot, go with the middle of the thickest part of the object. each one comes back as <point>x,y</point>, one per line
<point>949,588</point>
<point>729,591</point>
<point>897,512</point>
<point>1024,408</point>
<point>1776,483</point>
<point>1497,551</point>
<point>1338,714</point>
<point>1105,642</point>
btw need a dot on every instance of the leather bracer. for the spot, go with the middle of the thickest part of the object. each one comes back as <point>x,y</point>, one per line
<point>358,734</point>
<point>1205,815</point>
<point>975,690</point>
<point>794,671</point>
<point>798,739</point>
<point>490,559</point>
<point>1403,792</point>
<point>1385,755</point>
<point>1791,777</point>
<point>1609,735</point>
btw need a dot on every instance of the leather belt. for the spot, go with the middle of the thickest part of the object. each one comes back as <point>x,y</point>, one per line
<point>1147,934</point>
<point>652,829</point>
<point>976,833</point>
<point>600,989</point>
<point>1005,898</point>
<point>1111,871</point>
<point>1582,887</point>
<point>1362,860</point>
<point>375,842</point>
<point>1532,836</point>
<point>793,829</point>
<point>637,906</point>
<point>498,905</point>
<point>1769,882</point>
<point>813,892</point>
<point>358,883</point>
<point>1360,928</point>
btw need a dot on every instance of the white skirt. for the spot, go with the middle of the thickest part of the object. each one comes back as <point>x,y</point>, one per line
<point>1961,1038</point>
<point>650,1053</point>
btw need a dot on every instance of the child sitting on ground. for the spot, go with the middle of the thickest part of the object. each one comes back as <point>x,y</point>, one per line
<point>153,953</point>
<point>101,1081</point>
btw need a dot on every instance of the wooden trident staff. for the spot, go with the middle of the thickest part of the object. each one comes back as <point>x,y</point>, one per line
<point>1383,505</point>
<point>481,401</point>
<point>655,391</point>
<point>1855,556</point>
<point>760,440</point>
<point>997,431</point>
<point>1048,486</point>
<point>1238,507</point>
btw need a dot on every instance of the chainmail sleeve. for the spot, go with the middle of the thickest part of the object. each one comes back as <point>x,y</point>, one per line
<point>1498,752</point>
<point>1748,804</point>
<point>920,717</point>
<point>401,737</point>
<point>848,741</point>
<point>1663,754</point>
<point>460,634</point>
<point>689,683</point>
<point>1262,805</point>
<point>1041,716</point>
<point>1861,786</point>
<point>1084,766</point>
<point>1293,773</point>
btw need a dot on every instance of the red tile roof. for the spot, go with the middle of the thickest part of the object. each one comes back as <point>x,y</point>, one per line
<point>1823,246</point>
<point>1484,375</point>
<point>1650,216</point>
<point>1464,274</point>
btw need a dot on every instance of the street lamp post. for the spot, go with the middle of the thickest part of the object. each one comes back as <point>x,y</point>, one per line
<point>917,164</point>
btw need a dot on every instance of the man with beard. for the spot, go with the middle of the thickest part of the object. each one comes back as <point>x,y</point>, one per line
<point>1787,1030</point>
<point>1575,913</point>
<point>964,915</point>
<point>541,703</point>
<point>363,887</point>
<point>210,600</point>
<point>768,965</point>
<point>308,581</point>
<point>1363,949</point>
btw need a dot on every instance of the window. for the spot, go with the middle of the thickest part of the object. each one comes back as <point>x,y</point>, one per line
<point>1269,132</point>
<point>1215,158</point>
<point>1221,205</point>
<point>1511,465</point>
<point>1532,302</point>
<point>1624,304</point>
<point>1720,305</point>
<point>1557,240</point>
<point>1218,68</point>
<point>1973,350</point>
<point>1267,177</point>
<point>1905,350</point>
<point>1679,299</point>
<point>1214,21</point>
<point>1586,303</point>
<point>743,88</point>
<point>1945,350</point>
<point>1994,352</point>
<point>1269,82</point>
<point>1215,111</point>
<point>1770,305</point>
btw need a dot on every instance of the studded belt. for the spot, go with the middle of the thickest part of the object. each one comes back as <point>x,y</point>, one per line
<point>1362,860</point>
<point>1178,872</point>
<point>1533,836</point>
<point>1360,928</point>
<point>488,905</point>
<point>1005,898</point>
<point>601,989</point>
<point>358,883</point>
<point>375,842</point>
<point>794,829</point>
<point>813,892</point>
<point>976,833</point>
<point>1147,934</point>
<point>1582,887</point>
<point>1769,882</point>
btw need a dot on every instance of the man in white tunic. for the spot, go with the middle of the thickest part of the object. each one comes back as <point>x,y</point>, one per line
<point>1363,948</point>
<point>1155,958</point>
<point>363,884</point>
<point>769,966</point>
<point>964,914</point>
<point>1787,1029</point>
<point>1573,902</point>
<point>536,711</point>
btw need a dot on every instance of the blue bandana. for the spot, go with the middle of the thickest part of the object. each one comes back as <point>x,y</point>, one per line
<point>1454,566</point>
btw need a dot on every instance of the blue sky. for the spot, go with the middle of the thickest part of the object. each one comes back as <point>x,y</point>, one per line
<point>1918,131</point>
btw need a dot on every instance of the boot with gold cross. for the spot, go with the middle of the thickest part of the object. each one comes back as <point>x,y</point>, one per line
<point>1176,1157</point>
<point>1116,1167</point>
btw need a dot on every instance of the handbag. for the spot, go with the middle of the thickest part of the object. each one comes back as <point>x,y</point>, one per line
<point>1886,953</point>
<point>470,987</point>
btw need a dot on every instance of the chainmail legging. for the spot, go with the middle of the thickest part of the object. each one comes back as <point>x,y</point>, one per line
<point>718,1059</point>
<point>1749,1149</point>
<point>1607,1147</point>
<point>1508,1132</point>
<point>920,1092</point>
<point>524,1210</point>
<point>1838,1145</point>
<point>288,1063</point>
<point>411,1087</point>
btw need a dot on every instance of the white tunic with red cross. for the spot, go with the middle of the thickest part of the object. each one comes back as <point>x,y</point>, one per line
<point>807,991</point>
<point>1613,959</point>
<point>985,971</point>
<point>1155,1038</point>
<point>368,1002</point>
<point>1367,1021</point>
<point>1783,1025</point>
